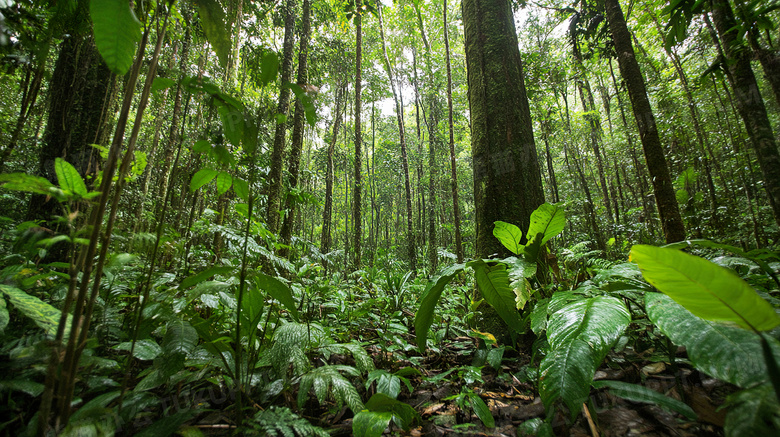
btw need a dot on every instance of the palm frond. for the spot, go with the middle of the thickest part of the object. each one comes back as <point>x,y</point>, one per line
<point>329,380</point>
<point>283,422</point>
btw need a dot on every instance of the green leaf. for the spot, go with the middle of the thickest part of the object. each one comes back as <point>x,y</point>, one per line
<point>278,290</point>
<point>4,316</point>
<point>703,288</point>
<point>168,425</point>
<point>493,283</point>
<point>580,335</point>
<point>482,411</point>
<point>370,423</point>
<point>31,388</point>
<point>206,274</point>
<point>44,315</point>
<point>241,188</point>
<point>269,67</point>
<point>233,124</point>
<point>548,220</point>
<point>180,338</point>
<point>639,393</point>
<point>402,412</point>
<point>69,178</point>
<point>162,83</point>
<point>724,352</point>
<point>116,31</point>
<point>224,181</point>
<point>212,20</point>
<point>146,349</point>
<point>202,178</point>
<point>386,382</point>
<point>752,412</point>
<point>202,146</point>
<point>430,297</point>
<point>509,235</point>
<point>25,182</point>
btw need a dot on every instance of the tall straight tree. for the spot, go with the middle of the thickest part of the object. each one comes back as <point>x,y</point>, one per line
<point>277,153</point>
<point>402,139</point>
<point>357,192</point>
<point>668,209</point>
<point>453,163</point>
<point>298,127</point>
<point>507,179</point>
<point>749,102</point>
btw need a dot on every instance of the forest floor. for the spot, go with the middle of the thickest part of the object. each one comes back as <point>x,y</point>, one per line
<point>513,401</point>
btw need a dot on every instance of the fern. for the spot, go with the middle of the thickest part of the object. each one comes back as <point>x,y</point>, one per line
<point>327,379</point>
<point>283,422</point>
<point>363,362</point>
<point>291,342</point>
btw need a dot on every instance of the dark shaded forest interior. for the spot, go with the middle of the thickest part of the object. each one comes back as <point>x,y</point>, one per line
<point>389,217</point>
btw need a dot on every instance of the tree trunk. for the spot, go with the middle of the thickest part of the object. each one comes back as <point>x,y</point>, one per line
<point>507,179</point>
<point>298,130</point>
<point>277,153</point>
<point>412,249</point>
<point>749,101</point>
<point>648,131</point>
<point>453,162</point>
<point>358,191</point>
<point>327,211</point>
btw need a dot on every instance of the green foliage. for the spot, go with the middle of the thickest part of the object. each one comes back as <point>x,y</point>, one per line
<point>381,409</point>
<point>216,28</point>
<point>327,380</point>
<point>580,334</point>
<point>639,393</point>
<point>44,315</point>
<point>703,288</point>
<point>281,421</point>
<point>468,400</point>
<point>116,31</point>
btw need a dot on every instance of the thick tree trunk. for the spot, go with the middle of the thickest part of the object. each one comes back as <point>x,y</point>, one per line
<point>507,179</point>
<point>749,101</point>
<point>277,153</point>
<point>671,221</point>
<point>298,129</point>
<point>78,101</point>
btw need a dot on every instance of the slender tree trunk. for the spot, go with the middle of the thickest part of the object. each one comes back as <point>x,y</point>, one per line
<point>298,130</point>
<point>453,162</point>
<point>412,250</point>
<point>358,191</point>
<point>665,198</point>
<point>749,101</point>
<point>327,211</point>
<point>277,153</point>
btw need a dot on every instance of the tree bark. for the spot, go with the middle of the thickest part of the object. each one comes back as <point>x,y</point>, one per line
<point>298,129</point>
<point>453,162</point>
<point>327,211</point>
<point>358,191</point>
<point>665,198</point>
<point>277,153</point>
<point>749,102</point>
<point>507,178</point>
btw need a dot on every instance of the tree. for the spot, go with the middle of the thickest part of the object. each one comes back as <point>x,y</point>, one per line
<point>507,178</point>
<point>453,163</point>
<point>668,209</point>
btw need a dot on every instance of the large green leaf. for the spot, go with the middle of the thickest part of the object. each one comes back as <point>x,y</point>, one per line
<point>202,177</point>
<point>566,372</point>
<point>25,182</point>
<point>752,412</point>
<point>703,288</point>
<point>370,423</point>
<point>725,352</point>
<point>180,338</point>
<point>44,315</point>
<point>548,220</point>
<point>69,178</point>
<point>403,413</point>
<point>212,20</point>
<point>481,410</point>
<point>278,290</point>
<point>580,335</point>
<point>639,393</point>
<point>205,274</point>
<point>430,297</point>
<point>4,317</point>
<point>116,31</point>
<point>509,235</point>
<point>493,283</point>
<point>224,181</point>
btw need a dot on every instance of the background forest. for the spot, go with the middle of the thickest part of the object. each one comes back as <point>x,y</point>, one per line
<point>409,217</point>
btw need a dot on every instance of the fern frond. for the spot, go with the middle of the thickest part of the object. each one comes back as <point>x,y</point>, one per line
<point>363,362</point>
<point>283,422</point>
<point>291,342</point>
<point>328,379</point>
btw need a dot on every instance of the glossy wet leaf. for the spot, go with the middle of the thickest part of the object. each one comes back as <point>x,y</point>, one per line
<point>116,31</point>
